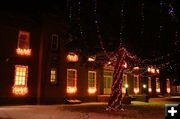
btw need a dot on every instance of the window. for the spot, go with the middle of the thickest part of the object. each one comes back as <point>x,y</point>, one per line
<point>91,82</point>
<point>125,83</point>
<point>168,89</point>
<point>53,78</point>
<point>20,82</point>
<point>136,84</point>
<point>54,42</point>
<point>108,77</point>
<point>158,85</point>
<point>23,46</point>
<point>149,85</point>
<point>71,80</point>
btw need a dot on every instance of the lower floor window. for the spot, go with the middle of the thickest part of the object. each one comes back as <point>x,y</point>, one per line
<point>125,84</point>
<point>20,80</point>
<point>149,85</point>
<point>71,81</point>
<point>136,84</point>
<point>91,82</point>
<point>158,85</point>
<point>168,89</point>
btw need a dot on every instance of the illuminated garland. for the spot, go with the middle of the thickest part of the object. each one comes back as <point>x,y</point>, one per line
<point>121,56</point>
<point>114,103</point>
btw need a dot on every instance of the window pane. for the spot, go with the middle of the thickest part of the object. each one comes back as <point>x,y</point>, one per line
<point>53,77</point>
<point>23,40</point>
<point>20,74</point>
<point>91,79</point>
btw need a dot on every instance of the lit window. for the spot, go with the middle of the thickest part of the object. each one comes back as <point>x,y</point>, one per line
<point>71,81</point>
<point>53,78</point>
<point>54,42</point>
<point>125,83</point>
<point>136,84</point>
<point>149,85</point>
<point>158,85</point>
<point>92,82</point>
<point>168,89</point>
<point>23,46</point>
<point>20,82</point>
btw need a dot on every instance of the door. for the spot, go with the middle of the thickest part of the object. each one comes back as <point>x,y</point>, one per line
<point>108,77</point>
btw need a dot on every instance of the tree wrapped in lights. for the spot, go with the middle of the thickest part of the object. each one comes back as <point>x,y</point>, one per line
<point>115,99</point>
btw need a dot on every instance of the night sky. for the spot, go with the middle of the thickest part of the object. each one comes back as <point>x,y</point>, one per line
<point>146,45</point>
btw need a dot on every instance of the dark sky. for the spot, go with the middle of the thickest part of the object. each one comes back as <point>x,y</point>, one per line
<point>108,14</point>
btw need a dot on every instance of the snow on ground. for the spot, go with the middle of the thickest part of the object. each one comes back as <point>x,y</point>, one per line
<point>46,112</point>
<point>137,110</point>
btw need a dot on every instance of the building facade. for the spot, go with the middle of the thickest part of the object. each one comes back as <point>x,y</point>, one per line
<point>37,67</point>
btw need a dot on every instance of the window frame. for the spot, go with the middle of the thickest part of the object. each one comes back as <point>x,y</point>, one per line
<point>20,73</point>
<point>136,84</point>
<point>54,42</point>
<point>158,85</point>
<point>23,45</point>
<point>149,84</point>
<point>125,82</point>
<point>72,88</point>
<point>54,81</point>
<point>92,89</point>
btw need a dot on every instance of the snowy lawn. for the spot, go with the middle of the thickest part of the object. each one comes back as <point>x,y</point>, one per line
<point>137,110</point>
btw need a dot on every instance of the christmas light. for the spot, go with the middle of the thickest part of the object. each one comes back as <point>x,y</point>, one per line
<point>72,57</point>
<point>91,59</point>
<point>158,90</point>
<point>20,90</point>
<point>23,52</point>
<point>92,90</point>
<point>71,90</point>
<point>136,90</point>
<point>168,90</point>
<point>144,85</point>
<point>126,85</point>
<point>150,90</point>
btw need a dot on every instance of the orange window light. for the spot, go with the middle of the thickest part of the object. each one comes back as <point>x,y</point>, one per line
<point>20,82</point>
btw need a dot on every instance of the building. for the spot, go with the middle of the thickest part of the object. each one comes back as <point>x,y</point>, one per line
<point>39,66</point>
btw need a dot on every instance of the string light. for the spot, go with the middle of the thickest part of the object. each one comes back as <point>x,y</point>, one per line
<point>162,60</point>
<point>69,6</point>
<point>142,17</point>
<point>122,22</point>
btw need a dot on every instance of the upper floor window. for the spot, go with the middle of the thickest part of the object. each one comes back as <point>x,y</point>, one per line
<point>91,82</point>
<point>20,80</point>
<point>54,42</point>
<point>23,45</point>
